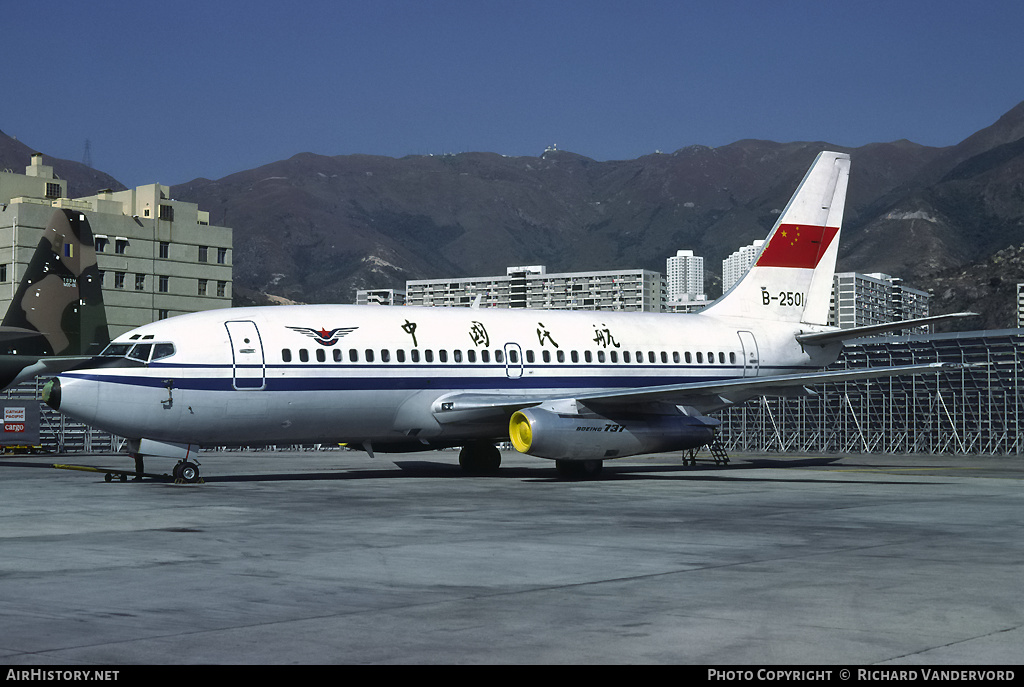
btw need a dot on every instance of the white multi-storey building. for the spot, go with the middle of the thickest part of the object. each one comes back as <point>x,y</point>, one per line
<point>684,277</point>
<point>737,264</point>
<point>866,299</point>
<point>1020,306</point>
<point>380,297</point>
<point>533,287</point>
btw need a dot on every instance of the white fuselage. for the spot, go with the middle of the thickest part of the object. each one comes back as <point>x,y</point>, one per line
<point>357,374</point>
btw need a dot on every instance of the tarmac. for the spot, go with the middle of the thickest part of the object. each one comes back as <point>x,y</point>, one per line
<point>333,557</point>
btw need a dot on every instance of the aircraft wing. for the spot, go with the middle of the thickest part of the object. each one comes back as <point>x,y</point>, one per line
<point>705,397</point>
<point>49,366</point>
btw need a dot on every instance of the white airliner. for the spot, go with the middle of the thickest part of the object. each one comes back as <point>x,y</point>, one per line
<point>575,387</point>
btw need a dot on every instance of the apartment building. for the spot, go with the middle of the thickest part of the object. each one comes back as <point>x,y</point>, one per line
<point>865,299</point>
<point>737,264</point>
<point>532,286</point>
<point>158,257</point>
<point>380,297</point>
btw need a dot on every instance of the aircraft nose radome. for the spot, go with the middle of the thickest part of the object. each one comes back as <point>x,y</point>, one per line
<point>51,393</point>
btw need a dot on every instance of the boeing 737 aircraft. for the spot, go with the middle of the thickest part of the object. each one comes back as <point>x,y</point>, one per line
<point>57,314</point>
<point>575,387</point>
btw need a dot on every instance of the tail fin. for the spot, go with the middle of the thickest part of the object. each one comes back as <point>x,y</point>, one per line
<point>791,279</point>
<point>58,307</point>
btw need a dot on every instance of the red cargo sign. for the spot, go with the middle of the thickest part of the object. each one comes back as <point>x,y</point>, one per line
<point>14,419</point>
<point>21,425</point>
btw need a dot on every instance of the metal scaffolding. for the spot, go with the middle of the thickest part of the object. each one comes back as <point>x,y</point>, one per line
<point>976,410</point>
<point>58,433</point>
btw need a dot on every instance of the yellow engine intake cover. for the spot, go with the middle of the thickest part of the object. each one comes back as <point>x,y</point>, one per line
<point>520,432</point>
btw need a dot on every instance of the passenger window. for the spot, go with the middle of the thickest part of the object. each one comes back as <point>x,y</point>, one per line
<point>385,355</point>
<point>575,357</point>
<point>530,358</point>
<point>321,355</point>
<point>485,356</point>
<point>303,355</point>
<point>442,356</point>
<point>675,357</point>
<point>286,355</point>
<point>664,357</point>
<point>457,356</point>
<point>471,355</point>
<point>560,356</point>
<point>711,358</point>
<point>353,355</point>
<point>369,355</point>
<point>415,355</point>
<point>689,358</point>
<point>428,356</point>
<point>400,355</point>
<point>337,355</point>
<point>721,357</point>
<point>614,356</point>
<point>513,357</point>
<point>600,356</point>
<point>700,357</point>
<point>625,357</point>
<point>650,357</point>
<point>546,355</point>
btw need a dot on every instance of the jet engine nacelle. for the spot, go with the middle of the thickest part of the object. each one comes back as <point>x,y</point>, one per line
<point>565,436</point>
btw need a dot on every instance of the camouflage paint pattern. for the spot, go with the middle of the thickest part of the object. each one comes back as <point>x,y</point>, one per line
<point>60,295</point>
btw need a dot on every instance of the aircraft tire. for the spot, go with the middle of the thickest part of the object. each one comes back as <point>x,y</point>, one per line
<point>480,458</point>
<point>187,472</point>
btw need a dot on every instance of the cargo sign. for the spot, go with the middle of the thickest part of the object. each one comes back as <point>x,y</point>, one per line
<point>14,419</point>
<point>21,423</point>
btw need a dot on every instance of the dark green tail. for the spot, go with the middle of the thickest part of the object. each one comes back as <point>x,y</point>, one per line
<point>58,307</point>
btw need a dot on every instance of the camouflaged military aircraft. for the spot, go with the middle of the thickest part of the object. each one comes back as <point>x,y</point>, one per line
<point>57,317</point>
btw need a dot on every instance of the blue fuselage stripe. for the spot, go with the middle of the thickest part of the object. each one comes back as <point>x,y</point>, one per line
<point>389,378</point>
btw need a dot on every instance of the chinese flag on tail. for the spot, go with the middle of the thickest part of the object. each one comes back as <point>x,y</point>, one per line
<point>797,246</point>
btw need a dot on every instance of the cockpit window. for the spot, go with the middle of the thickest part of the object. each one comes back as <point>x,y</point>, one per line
<point>140,352</point>
<point>162,350</point>
<point>116,350</point>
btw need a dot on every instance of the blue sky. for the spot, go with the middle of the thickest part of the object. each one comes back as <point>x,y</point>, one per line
<point>169,91</point>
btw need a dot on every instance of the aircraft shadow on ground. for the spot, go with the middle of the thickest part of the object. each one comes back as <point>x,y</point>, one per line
<point>419,469</point>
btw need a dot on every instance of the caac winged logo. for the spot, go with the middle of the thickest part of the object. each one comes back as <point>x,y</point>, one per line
<point>324,337</point>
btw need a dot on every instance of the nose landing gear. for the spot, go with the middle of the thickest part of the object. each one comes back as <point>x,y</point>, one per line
<point>186,472</point>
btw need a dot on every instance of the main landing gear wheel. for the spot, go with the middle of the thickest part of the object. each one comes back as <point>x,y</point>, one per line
<point>186,472</point>
<point>481,458</point>
<point>579,469</point>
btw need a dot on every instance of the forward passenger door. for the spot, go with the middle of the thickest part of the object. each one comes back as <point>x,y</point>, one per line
<point>248,367</point>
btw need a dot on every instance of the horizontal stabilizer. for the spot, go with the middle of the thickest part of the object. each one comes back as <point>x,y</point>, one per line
<point>836,335</point>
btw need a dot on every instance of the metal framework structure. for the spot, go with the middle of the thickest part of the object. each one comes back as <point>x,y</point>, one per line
<point>978,410</point>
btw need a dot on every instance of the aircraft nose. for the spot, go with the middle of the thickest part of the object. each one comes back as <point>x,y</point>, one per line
<point>51,393</point>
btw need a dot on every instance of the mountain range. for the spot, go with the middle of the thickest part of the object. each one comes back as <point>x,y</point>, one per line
<point>315,228</point>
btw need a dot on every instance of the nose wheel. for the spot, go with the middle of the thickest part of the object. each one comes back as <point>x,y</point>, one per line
<point>186,472</point>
